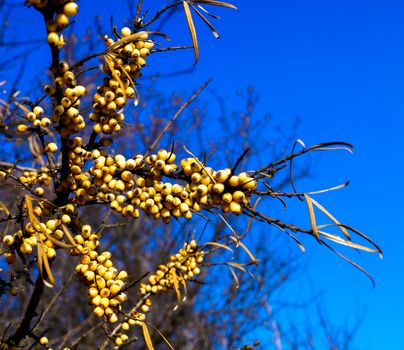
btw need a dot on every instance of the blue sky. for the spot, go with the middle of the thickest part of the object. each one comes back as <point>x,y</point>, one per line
<point>339,67</point>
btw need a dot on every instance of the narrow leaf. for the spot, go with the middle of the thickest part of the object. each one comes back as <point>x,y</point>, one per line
<point>192,30</point>
<point>161,335</point>
<point>333,219</point>
<point>57,242</point>
<point>242,245</point>
<point>360,268</point>
<point>312,216</point>
<point>252,217</point>
<point>210,25</point>
<point>176,284</point>
<point>236,265</point>
<point>216,3</point>
<point>234,276</point>
<point>348,243</point>
<point>68,235</point>
<point>146,336</point>
<point>219,245</point>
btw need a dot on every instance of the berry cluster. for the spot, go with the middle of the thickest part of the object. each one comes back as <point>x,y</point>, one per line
<point>181,268</point>
<point>36,179</point>
<point>131,185</point>
<point>61,19</point>
<point>66,111</point>
<point>124,60</point>
<point>77,181</point>
<point>97,271</point>
<point>49,232</point>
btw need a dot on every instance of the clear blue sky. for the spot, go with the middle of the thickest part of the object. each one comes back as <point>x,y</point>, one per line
<point>339,66</point>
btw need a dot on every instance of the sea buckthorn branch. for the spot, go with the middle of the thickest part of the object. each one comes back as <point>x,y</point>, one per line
<point>24,326</point>
<point>153,184</point>
<point>124,59</point>
<point>136,183</point>
<point>131,185</point>
<point>182,267</point>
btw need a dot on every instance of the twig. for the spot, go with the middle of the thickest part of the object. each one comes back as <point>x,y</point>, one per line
<point>118,327</point>
<point>172,48</point>
<point>160,12</point>
<point>175,116</point>
<point>30,313</point>
<point>138,10</point>
<point>56,296</point>
<point>14,166</point>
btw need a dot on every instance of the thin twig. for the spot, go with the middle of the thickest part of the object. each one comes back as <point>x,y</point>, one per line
<point>175,116</point>
<point>160,12</point>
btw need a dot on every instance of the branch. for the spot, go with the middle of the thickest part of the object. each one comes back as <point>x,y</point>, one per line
<point>24,327</point>
<point>175,116</point>
<point>160,12</point>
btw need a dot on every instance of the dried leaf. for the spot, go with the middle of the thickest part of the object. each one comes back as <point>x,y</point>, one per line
<point>230,227</point>
<point>300,244</point>
<point>192,30</point>
<point>210,25</point>
<point>333,219</point>
<point>31,216</point>
<point>234,276</point>
<point>254,207</point>
<point>35,149</point>
<point>146,336</point>
<point>236,265</point>
<point>219,245</point>
<point>108,61</point>
<point>360,268</point>
<point>348,243</point>
<point>68,235</point>
<point>242,245</point>
<point>360,234</point>
<point>57,242</point>
<point>207,12</point>
<point>48,270</point>
<point>161,335</point>
<point>216,3</point>
<point>176,284</point>
<point>312,216</point>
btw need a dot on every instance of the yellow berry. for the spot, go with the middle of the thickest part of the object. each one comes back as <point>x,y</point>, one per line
<point>98,311</point>
<point>62,20</point>
<point>22,128</point>
<point>8,240</point>
<point>38,111</point>
<point>43,341</point>
<point>39,191</point>
<point>66,219</point>
<point>70,9</point>
<point>53,38</point>
<point>126,31</point>
<point>52,147</point>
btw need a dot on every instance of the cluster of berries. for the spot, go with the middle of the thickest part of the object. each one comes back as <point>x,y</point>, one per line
<point>61,19</point>
<point>36,180</point>
<point>182,267</point>
<point>50,233</point>
<point>123,62</point>
<point>131,185</point>
<point>105,282</point>
<point>66,111</point>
